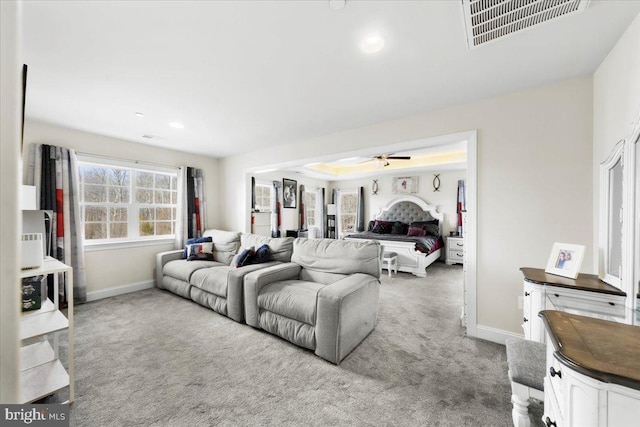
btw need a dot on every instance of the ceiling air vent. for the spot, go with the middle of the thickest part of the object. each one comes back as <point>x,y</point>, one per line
<point>490,20</point>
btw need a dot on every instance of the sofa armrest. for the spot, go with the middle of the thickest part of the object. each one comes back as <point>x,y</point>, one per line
<point>347,312</point>
<point>161,259</point>
<point>235,288</point>
<point>254,281</point>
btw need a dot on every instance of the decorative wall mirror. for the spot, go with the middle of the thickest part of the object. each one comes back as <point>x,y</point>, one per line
<point>611,217</point>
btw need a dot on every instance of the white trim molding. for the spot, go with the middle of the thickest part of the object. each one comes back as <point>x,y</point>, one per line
<point>495,335</point>
<point>120,290</point>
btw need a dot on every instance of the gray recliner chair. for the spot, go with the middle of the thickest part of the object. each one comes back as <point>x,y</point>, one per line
<point>325,299</point>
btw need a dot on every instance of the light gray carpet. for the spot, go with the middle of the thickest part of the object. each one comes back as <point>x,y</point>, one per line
<point>152,358</point>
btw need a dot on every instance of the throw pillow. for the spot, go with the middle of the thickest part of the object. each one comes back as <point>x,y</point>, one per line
<point>200,251</point>
<point>382,227</point>
<point>416,231</point>
<point>263,254</point>
<point>399,228</point>
<point>244,257</point>
<point>430,226</point>
<point>195,240</point>
<point>370,226</point>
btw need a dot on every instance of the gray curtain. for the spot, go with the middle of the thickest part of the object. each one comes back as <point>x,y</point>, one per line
<point>195,203</point>
<point>323,215</point>
<point>360,211</point>
<point>54,172</point>
<point>302,215</point>
<point>275,211</point>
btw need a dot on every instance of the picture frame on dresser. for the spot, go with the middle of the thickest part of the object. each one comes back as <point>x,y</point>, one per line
<point>565,260</point>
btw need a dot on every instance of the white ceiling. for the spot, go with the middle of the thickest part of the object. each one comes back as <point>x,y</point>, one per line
<point>247,74</point>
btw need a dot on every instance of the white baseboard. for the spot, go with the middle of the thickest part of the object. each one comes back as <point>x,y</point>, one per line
<point>495,335</point>
<point>120,290</point>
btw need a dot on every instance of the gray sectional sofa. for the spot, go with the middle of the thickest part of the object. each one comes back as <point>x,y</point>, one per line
<point>216,284</point>
<point>320,294</point>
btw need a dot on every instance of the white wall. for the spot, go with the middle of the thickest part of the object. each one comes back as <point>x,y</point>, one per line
<point>10,227</point>
<point>534,180</point>
<point>445,199</point>
<point>616,103</point>
<point>109,269</point>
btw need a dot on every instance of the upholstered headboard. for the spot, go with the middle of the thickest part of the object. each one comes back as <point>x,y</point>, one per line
<point>409,209</point>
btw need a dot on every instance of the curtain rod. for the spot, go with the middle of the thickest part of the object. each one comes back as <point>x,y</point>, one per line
<point>138,162</point>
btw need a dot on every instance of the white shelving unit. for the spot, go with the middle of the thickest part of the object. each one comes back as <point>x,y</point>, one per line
<point>41,372</point>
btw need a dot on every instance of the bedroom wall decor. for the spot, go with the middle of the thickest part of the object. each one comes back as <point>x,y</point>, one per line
<point>436,182</point>
<point>405,185</point>
<point>374,187</point>
<point>289,193</point>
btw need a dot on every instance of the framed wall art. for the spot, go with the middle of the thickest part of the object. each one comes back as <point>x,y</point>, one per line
<point>405,185</point>
<point>289,193</point>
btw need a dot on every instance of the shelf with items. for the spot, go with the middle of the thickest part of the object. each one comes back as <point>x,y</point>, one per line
<point>42,373</point>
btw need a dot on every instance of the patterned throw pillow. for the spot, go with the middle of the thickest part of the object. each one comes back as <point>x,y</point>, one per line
<point>371,224</point>
<point>431,227</point>
<point>416,231</point>
<point>200,251</point>
<point>382,227</point>
<point>400,228</point>
<point>195,240</point>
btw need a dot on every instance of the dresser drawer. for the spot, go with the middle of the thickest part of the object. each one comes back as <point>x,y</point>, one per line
<point>599,305</point>
<point>456,255</point>
<point>553,377</point>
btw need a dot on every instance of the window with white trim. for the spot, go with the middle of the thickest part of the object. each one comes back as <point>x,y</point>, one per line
<point>263,197</point>
<point>347,211</point>
<point>123,201</point>
<point>311,207</point>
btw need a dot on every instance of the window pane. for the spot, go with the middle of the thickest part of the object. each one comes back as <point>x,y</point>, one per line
<point>95,213</point>
<point>163,213</point>
<point>174,197</point>
<point>163,227</point>
<point>95,193</point>
<point>146,214</point>
<point>144,196</point>
<point>94,175</point>
<point>163,181</point>
<point>118,230</point>
<point>174,183</point>
<point>146,228</point>
<point>144,179</point>
<point>119,194</point>
<point>95,231</point>
<point>118,214</point>
<point>119,177</point>
<point>163,197</point>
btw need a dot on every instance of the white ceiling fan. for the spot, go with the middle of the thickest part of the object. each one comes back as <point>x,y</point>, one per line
<point>383,159</point>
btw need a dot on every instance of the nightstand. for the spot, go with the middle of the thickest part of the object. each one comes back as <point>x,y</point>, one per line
<point>454,247</point>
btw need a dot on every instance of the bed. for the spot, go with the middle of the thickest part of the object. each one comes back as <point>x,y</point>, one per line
<point>415,253</point>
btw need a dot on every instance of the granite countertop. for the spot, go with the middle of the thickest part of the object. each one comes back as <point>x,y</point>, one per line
<point>601,349</point>
<point>584,282</point>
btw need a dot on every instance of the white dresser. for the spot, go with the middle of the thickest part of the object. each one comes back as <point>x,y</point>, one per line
<point>585,295</point>
<point>455,250</point>
<point>592,373</point>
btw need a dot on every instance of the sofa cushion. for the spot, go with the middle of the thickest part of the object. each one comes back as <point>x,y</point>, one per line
<point>281,247</point>
<point>263,254</point>
<point>338,256</point>
<point>295,299</point>
<point>299,333</point>
<point>244,257</point>
<point>225,244</point>
<point>182,269</point>
<point>200,251</point>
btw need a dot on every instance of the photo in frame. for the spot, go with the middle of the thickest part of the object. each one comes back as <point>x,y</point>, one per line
<point>404,185</point>
<point>565,260</point>
<point>289,193</point>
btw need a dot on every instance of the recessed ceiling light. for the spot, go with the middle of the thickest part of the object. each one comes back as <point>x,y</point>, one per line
<point>140,114</point>
<point>176,125</point>
<point>372,43</point>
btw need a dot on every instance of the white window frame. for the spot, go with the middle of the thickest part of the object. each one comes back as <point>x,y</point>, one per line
<point>341,232</point>
<point>133,239</point>
<point>268,185</point>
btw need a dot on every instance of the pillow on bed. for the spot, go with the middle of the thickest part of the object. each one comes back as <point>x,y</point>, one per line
<point>431,227</point>
<point>416,231</point>
<point>382,227</point>
<point>399,228</point>
<point>370,226</point>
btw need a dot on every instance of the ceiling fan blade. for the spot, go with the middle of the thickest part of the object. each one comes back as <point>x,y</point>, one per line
<point>399,157</point>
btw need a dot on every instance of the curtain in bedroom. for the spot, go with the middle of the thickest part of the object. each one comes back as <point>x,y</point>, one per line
<point>275,210</point>
<point>253,193</point>
<point>302,217</point>
<point>190,214</point>
<point>54,172</point>
<point>360,212</point>
<point>462,204</point>
<point>323,215</point>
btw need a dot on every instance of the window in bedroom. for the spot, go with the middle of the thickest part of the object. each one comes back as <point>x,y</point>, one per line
<point>347,210</point>
<point>263,197</point>
<point>121,201</point>
<point>311,207</point>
